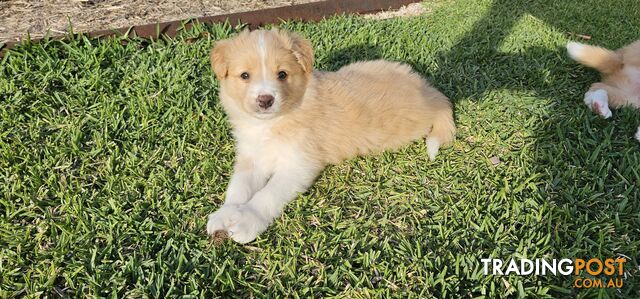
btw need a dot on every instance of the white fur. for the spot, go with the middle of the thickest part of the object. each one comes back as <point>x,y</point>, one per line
<point>242,223</point>
<point>433,145</point>
<point>575,49</point>
<point>598,101</point>
<point>638,134</point>
<point>257,196</point>
<point>262,51</point>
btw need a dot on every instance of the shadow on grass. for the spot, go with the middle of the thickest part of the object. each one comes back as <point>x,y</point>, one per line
<point>589,166</point>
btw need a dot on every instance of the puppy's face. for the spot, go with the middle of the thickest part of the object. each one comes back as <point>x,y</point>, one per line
<point>264,73</point>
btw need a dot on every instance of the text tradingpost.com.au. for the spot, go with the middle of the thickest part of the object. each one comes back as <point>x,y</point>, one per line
<point>604,273</point>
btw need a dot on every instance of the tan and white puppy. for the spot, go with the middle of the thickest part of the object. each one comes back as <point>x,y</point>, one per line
<point>620,70</point>
<point>290,121</point>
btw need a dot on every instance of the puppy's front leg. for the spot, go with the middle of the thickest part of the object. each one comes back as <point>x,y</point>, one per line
<point>244,183</point>
<point>245,222</point>
<point>283,187</point>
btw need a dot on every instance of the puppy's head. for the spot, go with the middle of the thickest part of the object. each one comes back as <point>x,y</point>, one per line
<point>264,73</point>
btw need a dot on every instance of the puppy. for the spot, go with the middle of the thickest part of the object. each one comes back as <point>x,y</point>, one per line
<point>290,121</point>
<point>620,70</point>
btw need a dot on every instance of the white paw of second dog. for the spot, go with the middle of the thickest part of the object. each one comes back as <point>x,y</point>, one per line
<point>598,101</point>
<point>638,134</point>
<point>241,222</point>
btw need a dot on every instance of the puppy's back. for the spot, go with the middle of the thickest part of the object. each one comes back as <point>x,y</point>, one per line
<point>379,105</point>
<point>387,83</point>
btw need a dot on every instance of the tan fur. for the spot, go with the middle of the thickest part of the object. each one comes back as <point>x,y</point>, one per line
<point>601,59</point>
<point>355,111</point>
<point>317,118</point>
<point>363,107</point>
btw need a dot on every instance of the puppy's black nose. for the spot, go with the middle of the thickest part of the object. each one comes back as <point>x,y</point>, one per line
<point>265,101</point>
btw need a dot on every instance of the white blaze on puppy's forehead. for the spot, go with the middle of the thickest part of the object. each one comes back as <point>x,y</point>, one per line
<point>265,86</point>
<point>262,50</point>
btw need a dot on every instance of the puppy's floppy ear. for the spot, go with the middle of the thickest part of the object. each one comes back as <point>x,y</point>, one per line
<point>218,63</point>
<point>303,50</point>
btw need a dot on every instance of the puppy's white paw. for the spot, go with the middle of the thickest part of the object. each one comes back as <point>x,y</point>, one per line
<point>598,101</point>
<point>638,134</point>
<point>250,226</point>
<point>219,219</point>
<point>242,223</point>
<point>433,145</point>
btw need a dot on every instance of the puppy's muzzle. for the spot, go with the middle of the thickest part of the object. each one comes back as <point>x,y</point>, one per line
<point>265,101</point>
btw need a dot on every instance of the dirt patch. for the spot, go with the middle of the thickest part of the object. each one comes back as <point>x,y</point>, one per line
<point>411,10</point>
<point>18,17</point>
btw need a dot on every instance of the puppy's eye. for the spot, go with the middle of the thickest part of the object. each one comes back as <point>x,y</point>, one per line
<point>244,76</point>
<point>282,75</point>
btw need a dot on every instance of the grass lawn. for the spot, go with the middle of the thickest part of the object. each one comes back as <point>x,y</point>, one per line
<point>112,156</point>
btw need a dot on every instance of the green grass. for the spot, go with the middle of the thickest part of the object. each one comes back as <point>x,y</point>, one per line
<point>112,156</point>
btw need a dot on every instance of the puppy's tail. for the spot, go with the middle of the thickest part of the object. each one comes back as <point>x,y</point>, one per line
<point>442,133</point>
<point>601,59</point>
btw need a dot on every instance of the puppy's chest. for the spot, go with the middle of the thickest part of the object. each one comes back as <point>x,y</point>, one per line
<point>266,149</point>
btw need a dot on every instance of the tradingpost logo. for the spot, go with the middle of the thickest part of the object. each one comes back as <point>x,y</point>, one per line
<point>607,273</point>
